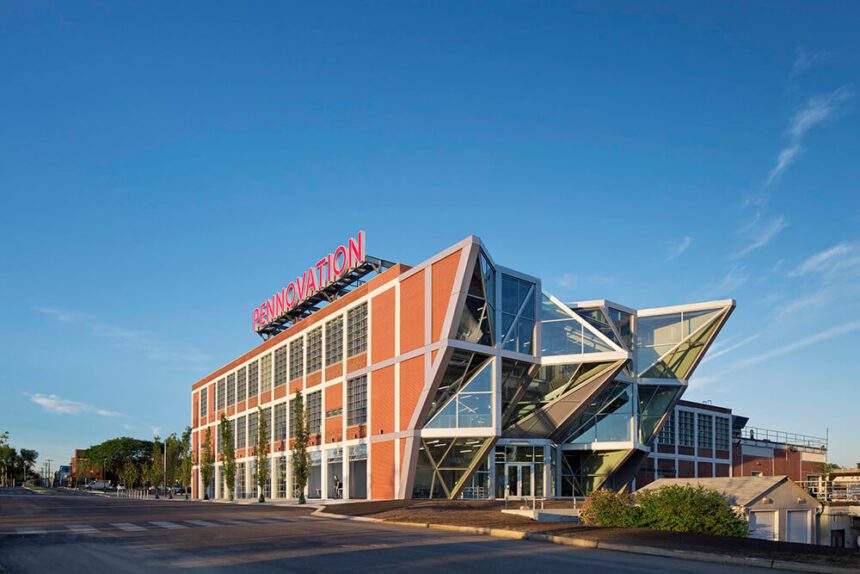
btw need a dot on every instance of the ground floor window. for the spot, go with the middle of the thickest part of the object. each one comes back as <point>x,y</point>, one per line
<point>519,471</point>
<point>241,491</point>
<point>282,476</point>
<point>334,466</point>
<point>315,475</point>
<point>358,471</point>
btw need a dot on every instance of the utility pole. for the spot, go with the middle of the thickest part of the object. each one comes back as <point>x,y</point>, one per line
<point>48,463</point>
<point>164,471</point>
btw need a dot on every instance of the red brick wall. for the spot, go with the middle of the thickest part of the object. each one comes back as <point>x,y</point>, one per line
<point>444,273</point>
<point>382,470</point>
<point>412,312</point>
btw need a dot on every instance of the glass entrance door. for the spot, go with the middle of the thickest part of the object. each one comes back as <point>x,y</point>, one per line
<point>520,480</point>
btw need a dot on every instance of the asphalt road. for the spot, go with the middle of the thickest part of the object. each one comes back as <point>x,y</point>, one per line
<point>44,533</point>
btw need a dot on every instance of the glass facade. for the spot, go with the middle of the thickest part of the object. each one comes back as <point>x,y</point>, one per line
<point>443,465</point>
<point>280,426</point>
<point>518,314</point>
<point>462,367</point>
<point>686,431</point>
<point>607,418</point>
<point>667,346</point>
<point>667,432</point>
<point>564,334</point>
<point>472,405</point>
<point>478,314</point>
<point>655,401</point>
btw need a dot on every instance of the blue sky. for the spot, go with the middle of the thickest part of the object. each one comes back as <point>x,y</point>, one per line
<point>164,167</point>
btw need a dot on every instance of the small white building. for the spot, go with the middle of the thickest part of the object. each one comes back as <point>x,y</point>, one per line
<point>777,508</point>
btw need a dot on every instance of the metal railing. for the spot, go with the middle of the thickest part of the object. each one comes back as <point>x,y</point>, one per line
<point>769,435</point>
<point>830,491</point>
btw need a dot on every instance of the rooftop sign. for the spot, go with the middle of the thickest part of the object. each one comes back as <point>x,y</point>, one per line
<point>328,271</point>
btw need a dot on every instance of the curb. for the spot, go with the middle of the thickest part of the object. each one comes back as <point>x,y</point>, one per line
<point>612,546</point>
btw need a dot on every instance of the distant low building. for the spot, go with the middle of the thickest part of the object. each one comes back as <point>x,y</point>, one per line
<point>701,440</point>
<point>777,507</point>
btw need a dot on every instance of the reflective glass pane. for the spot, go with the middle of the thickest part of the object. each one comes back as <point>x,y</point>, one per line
<point>509,294</point>
<point>474,410</point>
<point>591,343</point>
<point>659,330</point>
<point>550,310</point>
<point>561,337</point>
<point>526,329</point>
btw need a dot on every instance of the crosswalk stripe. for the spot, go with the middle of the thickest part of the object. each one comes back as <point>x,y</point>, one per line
<point>29,531</point>
<point>81,528</point>
<point>205,523</point>
<point>128,526</point>
<point>166,524</point>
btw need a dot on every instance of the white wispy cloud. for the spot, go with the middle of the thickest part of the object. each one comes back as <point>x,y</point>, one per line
<point>60,314</point>
<point>715,353</point>
<point>129,338</point>
<point>759,234</point>
<point>54,404</point>
<point>804,60</point>
<point>817,110</point>
<point>679,247</point>
<point>778,351</point>
<point>736,278</point>
<point>823,260</point>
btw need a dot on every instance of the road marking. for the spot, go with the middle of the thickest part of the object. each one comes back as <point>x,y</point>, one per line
<point>205,523</point>
<point>166,524</point>
<point>29,531</point>
<point>127,526</point>
<point>81,528</point>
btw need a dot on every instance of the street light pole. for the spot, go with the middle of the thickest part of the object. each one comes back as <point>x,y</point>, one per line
<point>164,468</point>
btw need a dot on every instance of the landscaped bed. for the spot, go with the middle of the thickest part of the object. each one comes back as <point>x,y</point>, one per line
<point>487,514</point>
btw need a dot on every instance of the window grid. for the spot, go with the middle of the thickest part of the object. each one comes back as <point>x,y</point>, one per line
<point>334,341</point>
<point>266,373</point>
<point>280,426</point>
<point>667,433</point>
<point>356,401</point>
<point>685,428</point>
<point>314,412</point>
<point>315,350</point>
<point>356,330</point>
<point>231,389</point>
<point>253,425</point>
<point>241,424</point>
<point>706,431</point>
<point>253,379</point>
<point>267,415</point>
<point>241,384</point>
<point>297,359</point>
<point>221,397</point>
<point>292,425</point>
<point>204,402</point>
<point>722,433</point>
<point>281,366</point>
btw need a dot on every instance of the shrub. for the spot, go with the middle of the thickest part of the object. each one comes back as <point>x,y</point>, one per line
<point>689,509</point>
<point>605,507</point>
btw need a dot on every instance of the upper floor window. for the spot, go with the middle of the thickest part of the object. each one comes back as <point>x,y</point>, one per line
<point>518,314</point>
<point>315,350</point>
<point>314,412</point>
<point>241,384</point>
<point>297,358</point>
<point>721,438</point>
<point>253,379</point>
<point>356,330</point>
<point>266,373</point>
<point>334,341</point>
<point>356,400</point>
<point>280,366</point>
<point>204,405</point>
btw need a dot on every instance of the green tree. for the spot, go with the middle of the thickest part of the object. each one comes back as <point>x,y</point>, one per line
<point>27,460</point>
<point>128,474</point>
<point>185,466</point>
<point>7,459</point>
<point>206,463</point>
<point>301,459</point>
<point>114,453</point>
<point>686,508</point>
<point>261,453</point>
<point>228,455</point>
<point>156,468</point>
<point>173,451</point>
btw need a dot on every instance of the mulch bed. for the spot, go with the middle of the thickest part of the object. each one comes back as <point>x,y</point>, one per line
<point>487,514</point>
